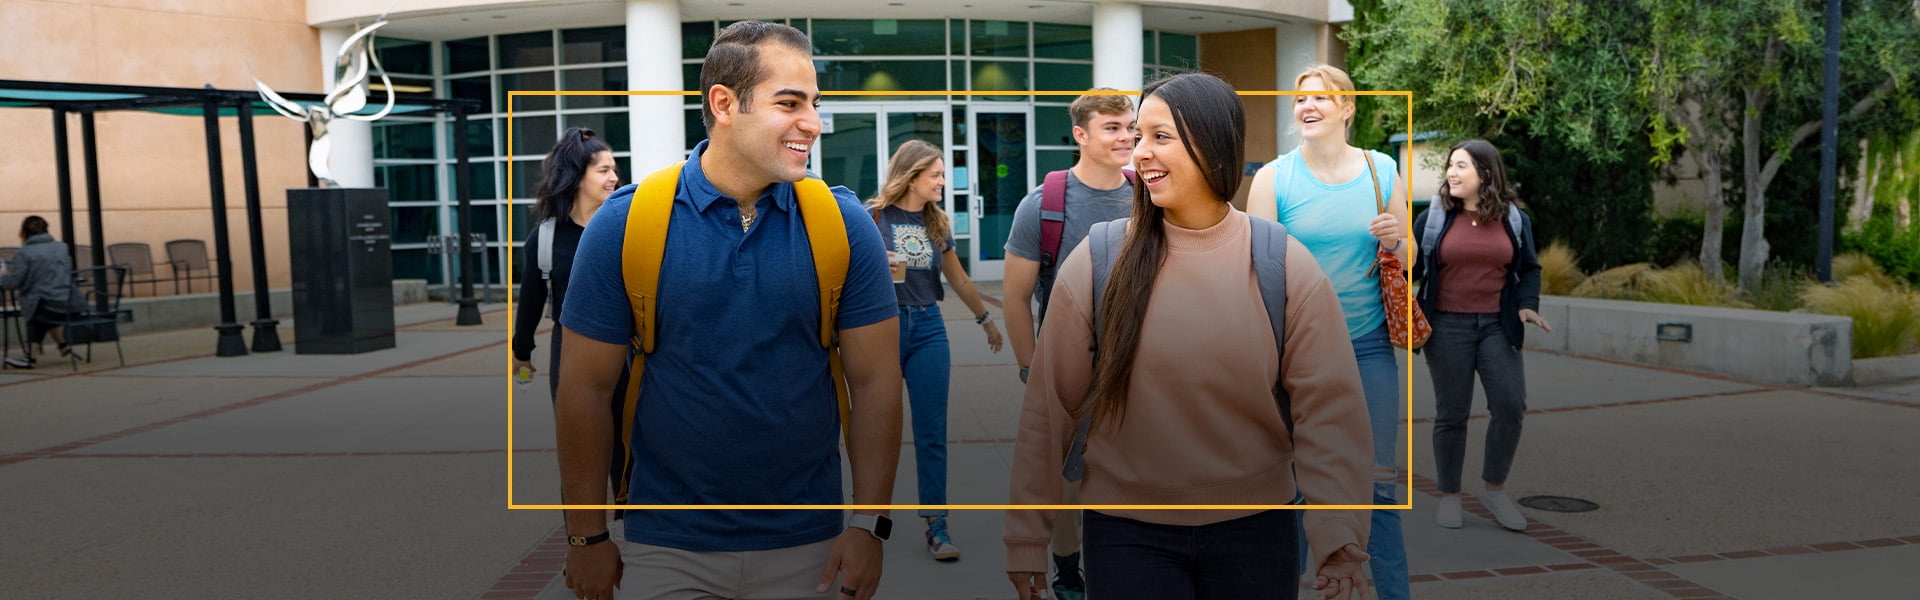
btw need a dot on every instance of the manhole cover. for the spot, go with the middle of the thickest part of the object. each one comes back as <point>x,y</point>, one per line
<point>1558,504</point>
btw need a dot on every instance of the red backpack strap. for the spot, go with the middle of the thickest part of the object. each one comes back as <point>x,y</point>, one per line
<point>1053,217</point>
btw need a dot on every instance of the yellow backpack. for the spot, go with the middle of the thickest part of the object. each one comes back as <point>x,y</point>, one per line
<point>646,245</point>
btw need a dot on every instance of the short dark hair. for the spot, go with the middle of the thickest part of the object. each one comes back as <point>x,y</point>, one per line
<point>734,61</point>
<point>32,226</point>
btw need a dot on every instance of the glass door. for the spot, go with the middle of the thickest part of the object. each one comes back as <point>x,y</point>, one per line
<point>1002,175</point>
<point>857,138</point>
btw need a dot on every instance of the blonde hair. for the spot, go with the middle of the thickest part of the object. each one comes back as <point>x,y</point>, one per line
<point>1333,79</point>
<point>908,163</point>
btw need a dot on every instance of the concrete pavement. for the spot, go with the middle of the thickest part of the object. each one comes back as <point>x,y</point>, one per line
<point>383,475</point>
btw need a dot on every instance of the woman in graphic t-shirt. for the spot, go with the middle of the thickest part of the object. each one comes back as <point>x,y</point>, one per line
<point>919,239</point>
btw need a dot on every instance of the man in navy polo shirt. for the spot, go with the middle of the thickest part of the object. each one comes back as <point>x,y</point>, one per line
<point>736,405</point>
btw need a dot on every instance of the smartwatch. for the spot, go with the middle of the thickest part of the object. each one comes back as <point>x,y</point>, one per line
<point>878,525</point>
<point>588,540</point>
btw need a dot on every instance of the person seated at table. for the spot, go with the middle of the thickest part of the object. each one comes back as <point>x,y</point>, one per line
<point>43,274</point>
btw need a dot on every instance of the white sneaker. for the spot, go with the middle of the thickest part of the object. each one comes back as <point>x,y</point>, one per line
<point>1504,510</point>
<point>1449,513</point>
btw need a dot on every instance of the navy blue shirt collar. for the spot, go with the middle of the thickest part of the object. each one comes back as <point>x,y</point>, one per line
<point>700,193</point>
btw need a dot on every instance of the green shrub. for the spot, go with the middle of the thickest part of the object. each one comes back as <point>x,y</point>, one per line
<point>1781,284</point>
<point>1886,318</point>
<point>1896,252</point>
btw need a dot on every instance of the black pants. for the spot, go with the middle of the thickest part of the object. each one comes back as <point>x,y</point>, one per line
<point>1463,345</point>
<point>43,321</point>
<point>1251,557</point>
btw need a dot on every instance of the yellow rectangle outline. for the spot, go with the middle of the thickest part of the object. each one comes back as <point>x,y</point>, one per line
<point>1406,172</point>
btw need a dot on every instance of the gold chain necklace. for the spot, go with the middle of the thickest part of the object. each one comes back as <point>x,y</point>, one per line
<point>747,213</point>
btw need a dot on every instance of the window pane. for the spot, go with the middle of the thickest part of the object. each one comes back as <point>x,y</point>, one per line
<point>407,182</point>
<point>696,131</point>
<point>990,76</point>
<point>473,88</point>
<point>417,264</point>
<point>958,76</point>
<point>881,75</point>
<point>1062,41</point>
<point>1062,76</point>
<point>690,81</point>
<point>600,44</point>
<point>923,126</point>
<point>526,179</point>
<point>957,37</point>
<point>479,138</point>
<point>999,38</point>
<point>612,127</point>
<point>1148,50</point>
<point>521,222</point>
<point>1055,160</point>
<point>398,139</point>
<point>412,224</point>
<point>608,79</point>
<point>534,49</point>
<point>467,55</point>
<point>541,81</point>
<point>1180,51</point>
<point>881,37</point>
<point>695,38</point>
<point>484,180</point>
<point>1055,126</point>
<point>405,56</point>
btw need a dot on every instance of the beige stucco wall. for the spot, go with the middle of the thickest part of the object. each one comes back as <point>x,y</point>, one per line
<point>1246,60</point>
<point>153,169</point>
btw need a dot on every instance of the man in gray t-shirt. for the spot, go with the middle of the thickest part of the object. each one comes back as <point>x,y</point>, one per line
<point>1086,205</point>
<point>1097,191</point>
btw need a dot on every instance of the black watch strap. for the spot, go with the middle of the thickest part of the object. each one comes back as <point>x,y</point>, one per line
<point>588,540</point>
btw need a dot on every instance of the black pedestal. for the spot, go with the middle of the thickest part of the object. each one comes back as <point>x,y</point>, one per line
<point>342,265</point>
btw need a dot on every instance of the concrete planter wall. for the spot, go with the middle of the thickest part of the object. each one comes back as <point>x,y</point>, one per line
<point>166,313</point>
<point>1773,347</point>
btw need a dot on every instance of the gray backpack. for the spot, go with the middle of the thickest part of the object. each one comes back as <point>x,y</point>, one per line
<point>545,260</point>
<point>1269,250</point>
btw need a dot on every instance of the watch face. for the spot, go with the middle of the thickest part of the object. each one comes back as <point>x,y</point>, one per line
<point>882,527</point>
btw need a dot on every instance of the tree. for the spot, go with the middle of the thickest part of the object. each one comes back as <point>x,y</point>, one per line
<point>1550,82</point>
<point>1718,72</point>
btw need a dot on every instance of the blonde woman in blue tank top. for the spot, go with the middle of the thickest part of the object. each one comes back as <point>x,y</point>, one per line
<point>1323,192</point>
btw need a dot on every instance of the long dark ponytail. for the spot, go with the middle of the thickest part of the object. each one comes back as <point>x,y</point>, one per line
<point>561,172</point>
<point>1212,126</point>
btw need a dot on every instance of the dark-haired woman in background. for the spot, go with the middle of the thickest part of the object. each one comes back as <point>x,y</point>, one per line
<point>1182,395</point>
<point>43,273</point>
<point>575,179</point>
<point>1482,283</point>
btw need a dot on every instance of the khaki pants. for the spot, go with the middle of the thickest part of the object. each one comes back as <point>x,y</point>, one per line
<point>661,573</point>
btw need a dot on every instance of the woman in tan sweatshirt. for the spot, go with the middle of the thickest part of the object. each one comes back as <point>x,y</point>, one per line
<point>1182,399</point>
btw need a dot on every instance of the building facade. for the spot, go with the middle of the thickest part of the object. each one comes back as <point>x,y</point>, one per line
<point>997,146</point>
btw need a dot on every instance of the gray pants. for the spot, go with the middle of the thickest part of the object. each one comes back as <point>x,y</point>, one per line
<point>1464,344</point>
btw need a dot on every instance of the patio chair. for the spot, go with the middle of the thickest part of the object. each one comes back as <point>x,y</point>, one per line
<point>137,257</point>
<point>187,258</point>
<point>91,323</point>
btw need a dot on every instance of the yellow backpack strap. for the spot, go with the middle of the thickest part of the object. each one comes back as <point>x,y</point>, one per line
<point>644,246</point>
<point>827,234</point>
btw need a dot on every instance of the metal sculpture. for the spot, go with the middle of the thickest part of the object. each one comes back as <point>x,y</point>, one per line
<point>353,66</point>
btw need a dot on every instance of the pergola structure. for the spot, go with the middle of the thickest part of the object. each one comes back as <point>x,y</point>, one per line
<point>211,104</point>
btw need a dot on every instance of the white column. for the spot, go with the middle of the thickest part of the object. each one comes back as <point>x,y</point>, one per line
<point>653,63</point>
<point>352,156</point>
<point>1296,46</point>
<point>1118,58</point>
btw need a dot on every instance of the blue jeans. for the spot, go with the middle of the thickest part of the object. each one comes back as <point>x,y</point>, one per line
<point>1230,560</point>
<point>1380,379</point>
<point>927,362</point>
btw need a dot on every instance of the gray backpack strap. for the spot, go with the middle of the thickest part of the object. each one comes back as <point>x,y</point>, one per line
<point>1270,269</point>
<point>1104,241</point>
<point>545,258</point>
<point>1430,236</point>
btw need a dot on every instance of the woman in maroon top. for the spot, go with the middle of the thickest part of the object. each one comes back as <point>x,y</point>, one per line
<point>1482,281</point>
